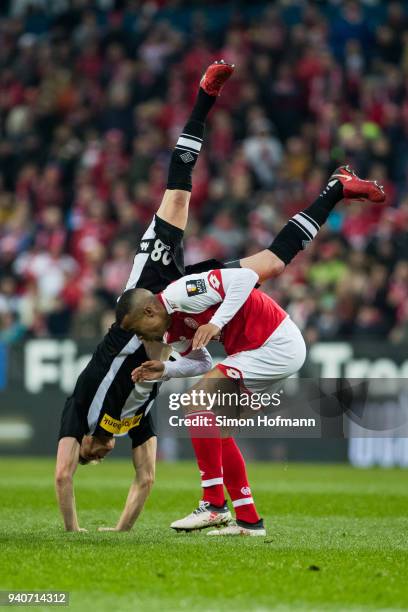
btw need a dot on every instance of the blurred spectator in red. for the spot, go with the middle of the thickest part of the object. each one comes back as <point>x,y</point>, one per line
<point>91,101</point>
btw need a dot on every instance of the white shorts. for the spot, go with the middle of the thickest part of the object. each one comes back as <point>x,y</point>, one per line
<point>282,355</point>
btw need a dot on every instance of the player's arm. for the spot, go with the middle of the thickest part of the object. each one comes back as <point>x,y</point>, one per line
<point>194,363</point>
<point>67,463</point>
<point>144,461</point>
<point>198,292</point>
<point>234,287</point>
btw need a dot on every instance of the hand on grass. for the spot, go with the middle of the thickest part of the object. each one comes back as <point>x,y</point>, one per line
<point>111,529</point>
<point>77,530</point>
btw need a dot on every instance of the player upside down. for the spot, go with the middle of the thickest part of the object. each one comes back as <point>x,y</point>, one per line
<point>105,402</point>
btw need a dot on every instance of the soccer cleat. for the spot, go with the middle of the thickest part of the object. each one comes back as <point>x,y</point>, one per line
<point>215,76</point>
<point>206,515</point>
<point>240,528</point>
<point>355,188</point>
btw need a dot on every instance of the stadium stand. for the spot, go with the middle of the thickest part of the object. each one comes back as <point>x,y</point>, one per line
<point>92,96</point>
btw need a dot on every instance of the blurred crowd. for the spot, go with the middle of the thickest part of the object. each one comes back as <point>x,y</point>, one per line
<point>92,98</point>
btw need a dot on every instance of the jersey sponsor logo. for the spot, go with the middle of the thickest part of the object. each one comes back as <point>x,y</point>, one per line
<point>192,323</point>
<point>196,287</point>
<point>144,246</point>
<point>118,427</point>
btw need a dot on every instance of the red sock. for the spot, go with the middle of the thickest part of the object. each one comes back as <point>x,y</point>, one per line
<point>236,482</point>
<point>208,452</point>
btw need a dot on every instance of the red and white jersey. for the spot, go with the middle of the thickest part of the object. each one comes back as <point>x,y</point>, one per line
<point>246,316</point>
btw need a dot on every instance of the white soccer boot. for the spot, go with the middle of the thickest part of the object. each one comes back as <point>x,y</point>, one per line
<point>240,528</point>
<point>206,515</point>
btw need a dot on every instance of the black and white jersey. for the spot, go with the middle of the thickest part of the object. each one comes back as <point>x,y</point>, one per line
<point>99,402</point>
<point>159,259</point>
<point>105,399</point>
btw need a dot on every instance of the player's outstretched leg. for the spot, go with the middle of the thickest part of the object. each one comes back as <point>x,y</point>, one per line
<point>174,206</point>
<point>303,227</point>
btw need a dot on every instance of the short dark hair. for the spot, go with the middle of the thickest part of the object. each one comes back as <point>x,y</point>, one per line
<point>124,305</point>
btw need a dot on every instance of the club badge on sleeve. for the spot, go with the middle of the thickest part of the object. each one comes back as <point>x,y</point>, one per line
<point>195,287</point>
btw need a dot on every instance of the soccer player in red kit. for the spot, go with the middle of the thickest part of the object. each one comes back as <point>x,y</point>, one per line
<point>148,315</point>
<point>261,342</point>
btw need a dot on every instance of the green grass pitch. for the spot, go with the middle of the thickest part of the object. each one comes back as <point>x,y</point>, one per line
<point>337,540</point>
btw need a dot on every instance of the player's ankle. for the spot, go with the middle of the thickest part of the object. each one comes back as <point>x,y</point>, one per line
<point>217,502</point>
<point>251,517</point>
<point>246,523</point>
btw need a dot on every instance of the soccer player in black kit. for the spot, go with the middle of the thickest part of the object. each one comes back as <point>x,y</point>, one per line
<point>105,401</point>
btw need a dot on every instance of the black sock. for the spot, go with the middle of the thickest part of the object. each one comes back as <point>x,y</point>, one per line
<point>202,106</point>
<point>327,200</point>
<point>185,155</point>
<point>303,227</point>
<point>189,144</point>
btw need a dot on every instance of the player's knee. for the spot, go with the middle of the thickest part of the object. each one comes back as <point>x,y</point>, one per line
<point>278,267</point>
<point>179,199</point>
<point>273,266</point>
<point>146,481</point>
